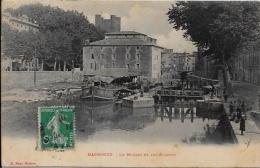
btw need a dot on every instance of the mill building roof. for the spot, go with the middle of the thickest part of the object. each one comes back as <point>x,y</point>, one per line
<point>134,41</point>
<point>124,33</point>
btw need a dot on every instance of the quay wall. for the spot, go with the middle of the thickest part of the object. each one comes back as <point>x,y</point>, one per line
<point>25,79</point>
<point>226,111</point>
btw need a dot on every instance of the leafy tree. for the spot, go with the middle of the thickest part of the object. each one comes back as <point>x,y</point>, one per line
<point>18,43</point>
<point>61,36</point>
<point>218,28</point>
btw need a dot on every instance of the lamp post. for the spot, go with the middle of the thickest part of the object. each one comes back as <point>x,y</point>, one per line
<point>34,69</point>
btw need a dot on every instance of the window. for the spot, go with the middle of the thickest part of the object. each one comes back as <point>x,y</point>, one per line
<point>92,56</point>
<point>137,47</point>
<point>138,56</point>
<point>128,66</point>
<point>113,56</point>
<point>113,65</point>
<point>137,66</point>
<point>91,65</point>
<point>102,56</point>
<point>127,56</point>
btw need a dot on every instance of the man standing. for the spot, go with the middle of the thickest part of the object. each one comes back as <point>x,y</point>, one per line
<point>242,125</point>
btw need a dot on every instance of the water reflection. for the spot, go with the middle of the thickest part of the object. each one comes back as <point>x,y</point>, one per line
<point>174,113</point>
<point>108,122</point>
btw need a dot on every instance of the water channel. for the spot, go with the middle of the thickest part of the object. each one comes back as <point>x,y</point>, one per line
<point>107,122</point>
<point>161,124</point>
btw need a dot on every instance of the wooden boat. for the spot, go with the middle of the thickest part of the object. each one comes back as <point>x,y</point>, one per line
<point>94,93</point>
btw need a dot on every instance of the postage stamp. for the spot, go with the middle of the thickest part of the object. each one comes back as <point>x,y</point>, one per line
<point>56,128</point>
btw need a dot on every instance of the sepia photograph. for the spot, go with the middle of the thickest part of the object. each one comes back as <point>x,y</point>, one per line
<point>95,83</point>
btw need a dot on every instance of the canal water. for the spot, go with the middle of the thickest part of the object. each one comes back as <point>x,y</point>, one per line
<point>106,122</point>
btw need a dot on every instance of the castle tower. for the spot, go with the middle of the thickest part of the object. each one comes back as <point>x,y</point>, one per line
<point>108,25</point>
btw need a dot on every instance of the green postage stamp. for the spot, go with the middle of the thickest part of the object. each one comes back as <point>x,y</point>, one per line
<point>56,128</point>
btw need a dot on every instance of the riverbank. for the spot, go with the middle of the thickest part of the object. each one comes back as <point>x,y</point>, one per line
<point>19,86</point>
<point>249,94</point>
<point>47,91</point>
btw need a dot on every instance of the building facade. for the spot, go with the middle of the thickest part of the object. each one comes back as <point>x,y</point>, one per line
<point>186,61</point>
<point>173,63</point>
<point>129,50</point>
<point>179,61</point>
<point>169,66</point>
<point>247,64</point>
<point>108,25</point>
<point>21,23</point>
<point>18,63</point>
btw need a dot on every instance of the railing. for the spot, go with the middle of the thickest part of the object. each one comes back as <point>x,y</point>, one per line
<point>166,92</point>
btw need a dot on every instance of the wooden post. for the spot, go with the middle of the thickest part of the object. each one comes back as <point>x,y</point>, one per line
<point>162,112</point>
<point>192,115</point>
<point>170,113</point>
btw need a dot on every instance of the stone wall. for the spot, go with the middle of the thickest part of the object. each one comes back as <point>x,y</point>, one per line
<point>25,79</point>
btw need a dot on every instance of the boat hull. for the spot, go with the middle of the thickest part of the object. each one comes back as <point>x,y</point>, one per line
<point>98,94</point>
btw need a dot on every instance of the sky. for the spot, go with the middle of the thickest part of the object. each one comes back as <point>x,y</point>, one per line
<point>148,17</point>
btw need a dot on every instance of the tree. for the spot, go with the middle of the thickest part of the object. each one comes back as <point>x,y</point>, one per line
<point>61,36</point>
<point>17,43</point>
<point>218,28</point>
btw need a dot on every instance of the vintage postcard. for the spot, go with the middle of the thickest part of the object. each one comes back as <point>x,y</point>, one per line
<point>95,83</point>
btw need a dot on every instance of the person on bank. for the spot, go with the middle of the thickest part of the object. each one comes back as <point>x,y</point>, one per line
<point>242,125</point>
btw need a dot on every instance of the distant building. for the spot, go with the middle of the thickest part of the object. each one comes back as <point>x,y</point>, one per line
<point>169,66</point>
<point>247,64</point>
<point>180,61</point>
<point>186,61</point>
<point>108,25</point>
<point>129,50</point>
<point>21,23</point>
<point>173,63</point>
<point>18,63</point>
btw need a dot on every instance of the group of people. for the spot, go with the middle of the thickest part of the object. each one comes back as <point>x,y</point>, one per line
<point>238,111</point>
